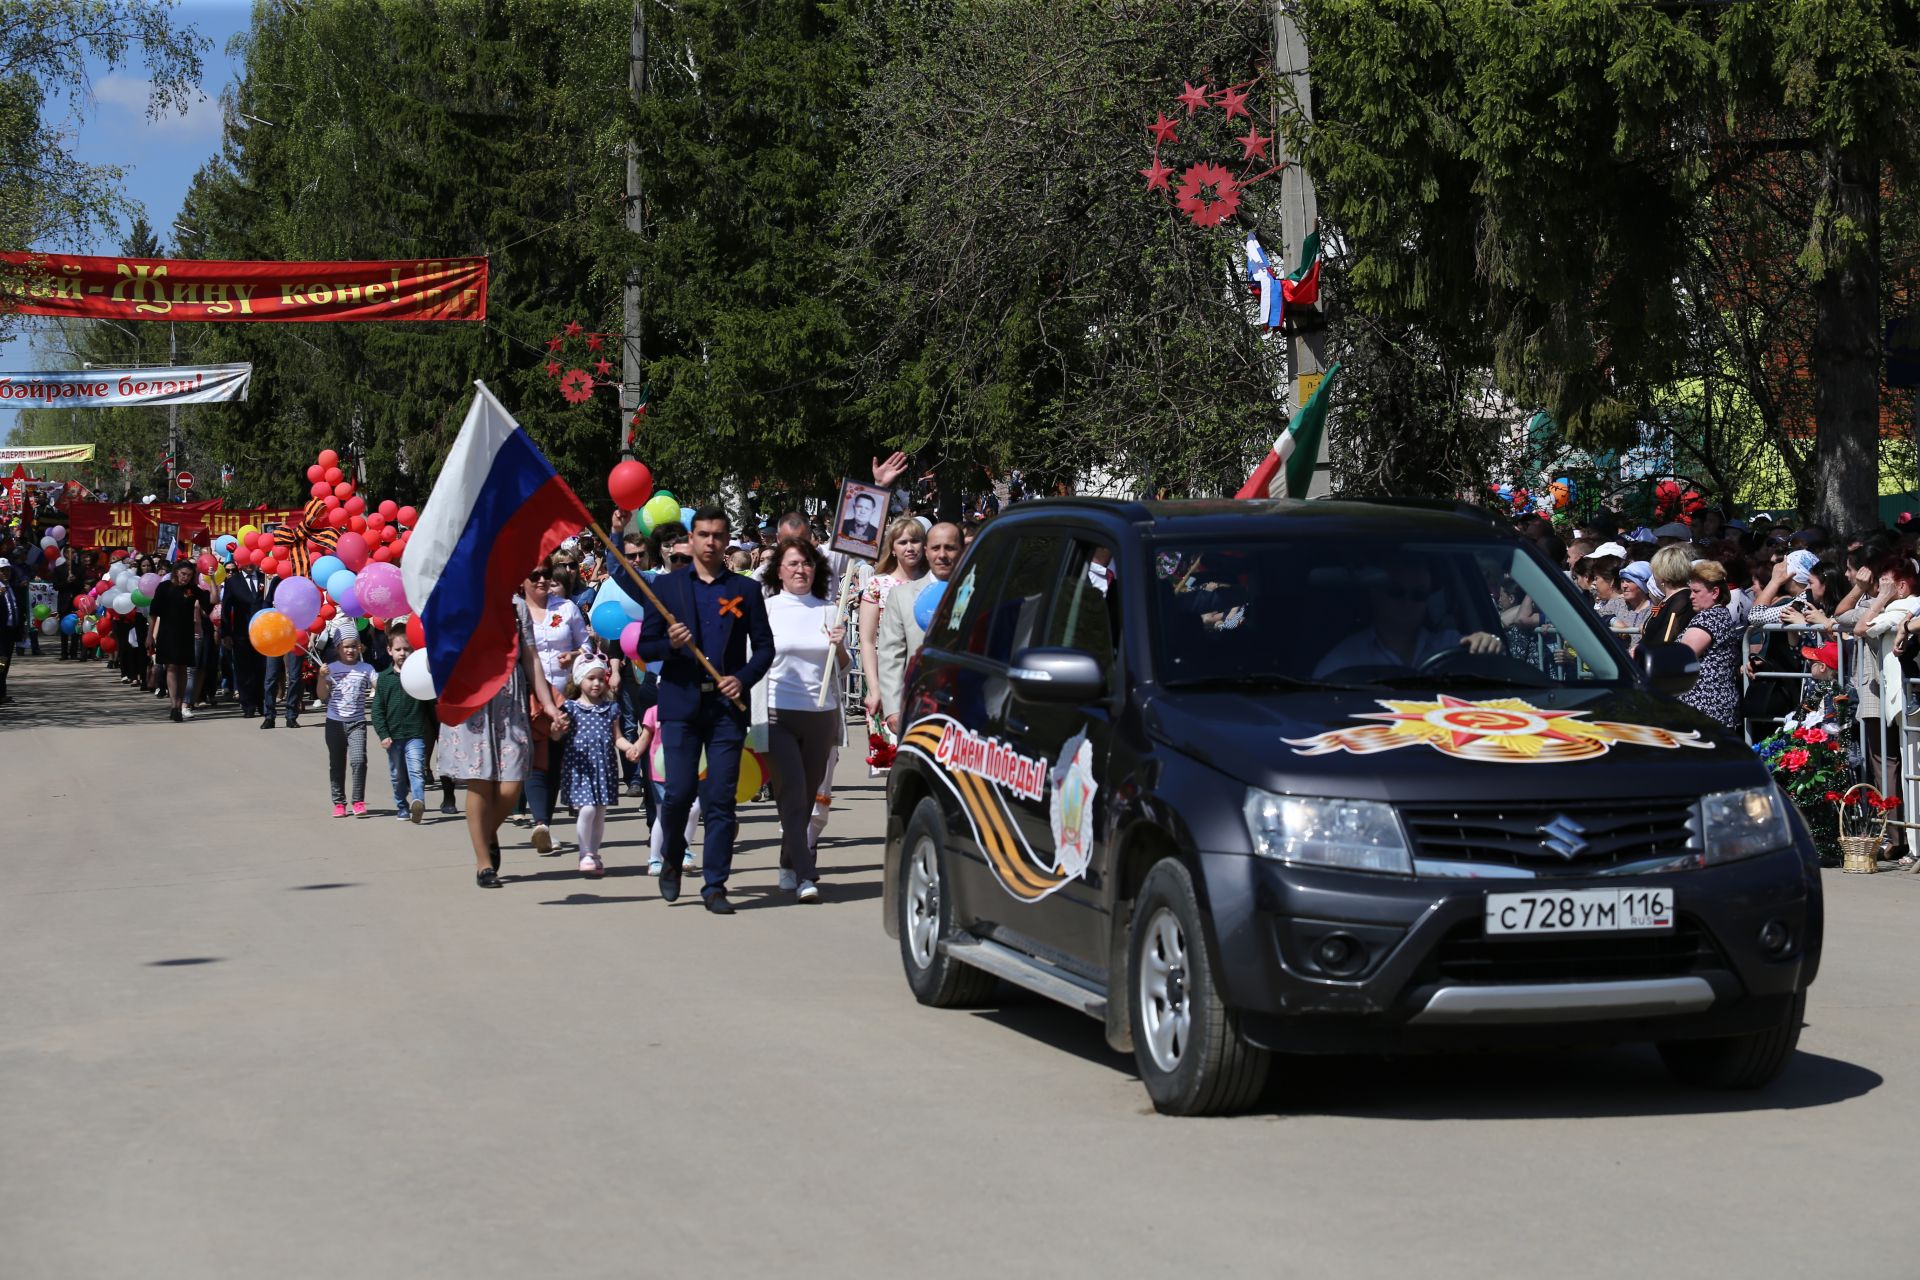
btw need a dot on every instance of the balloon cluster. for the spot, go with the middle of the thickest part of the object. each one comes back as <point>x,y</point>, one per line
<point>1563,493</point>
<point>1671,503</point>
<point>359,575</point>
<point>53,552</point>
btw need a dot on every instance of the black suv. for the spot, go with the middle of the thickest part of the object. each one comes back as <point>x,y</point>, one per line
<point>1245,777</point>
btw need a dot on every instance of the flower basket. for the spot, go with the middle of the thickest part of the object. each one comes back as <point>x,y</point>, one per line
<point>1859,850</point>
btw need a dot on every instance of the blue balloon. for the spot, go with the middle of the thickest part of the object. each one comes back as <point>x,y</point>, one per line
<point>686,517</point>
<point>340,582</point>
<point>927,602</point>
<point>70,624</point>
<point>325,567</point>
<point>608,619</point>
<point>347,598</point>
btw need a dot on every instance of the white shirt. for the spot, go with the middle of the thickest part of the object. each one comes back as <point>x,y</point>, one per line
<point>557,628</point>
<point>800,625</point>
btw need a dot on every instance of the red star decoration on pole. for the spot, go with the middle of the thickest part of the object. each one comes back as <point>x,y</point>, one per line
<point>603,367</point>
<point>1233,101</point>
<point>553,368</point>
<point>1253,144</point>
<point>1156,175</point>
<point>553,343</point>
<point>1192,197</point>
<point>575,328</point>
<point>1195,99</point>
<point>595,341</point>
<point>1162,129</point>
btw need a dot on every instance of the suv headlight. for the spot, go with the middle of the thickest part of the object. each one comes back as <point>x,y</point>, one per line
<point>1740,824</point>
<point>1353,835</point>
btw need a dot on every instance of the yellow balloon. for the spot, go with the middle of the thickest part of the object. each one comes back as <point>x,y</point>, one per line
<point>245,529</point>
<point>752,774</point>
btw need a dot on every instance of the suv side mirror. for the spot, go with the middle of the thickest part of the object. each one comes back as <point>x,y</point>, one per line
<point>1669,668</point>
<point>1056,675</point>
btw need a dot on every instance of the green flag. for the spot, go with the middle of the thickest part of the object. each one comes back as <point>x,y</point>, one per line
<point>1307,427</point>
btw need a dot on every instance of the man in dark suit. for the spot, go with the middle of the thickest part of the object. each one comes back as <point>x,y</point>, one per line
<point>244,595</point>
<point>860,524</point>
<point>719,611</point>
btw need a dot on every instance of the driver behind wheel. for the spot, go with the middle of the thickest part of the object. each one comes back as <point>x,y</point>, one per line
<point>1398,635</point>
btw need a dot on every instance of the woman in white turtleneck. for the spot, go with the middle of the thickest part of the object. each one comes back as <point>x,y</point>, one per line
<point>803,699</point>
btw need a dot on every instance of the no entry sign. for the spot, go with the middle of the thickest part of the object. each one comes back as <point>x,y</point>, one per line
<point>185,481</point>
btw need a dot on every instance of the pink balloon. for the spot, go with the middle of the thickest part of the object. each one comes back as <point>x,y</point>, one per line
<point>382,590</point>
<point>630,639</point>
<point>352,550</point>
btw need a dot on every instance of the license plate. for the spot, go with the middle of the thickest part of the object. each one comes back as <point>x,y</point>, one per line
<point>1579,911</point>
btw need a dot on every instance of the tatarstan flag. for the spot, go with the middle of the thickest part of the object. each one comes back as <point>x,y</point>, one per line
<point>1302,287</point>
<point>1296,450</point>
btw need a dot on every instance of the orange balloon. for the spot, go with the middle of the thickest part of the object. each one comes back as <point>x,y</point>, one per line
<point>272,633</point>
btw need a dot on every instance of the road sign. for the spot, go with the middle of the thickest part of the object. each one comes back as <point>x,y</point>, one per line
<point>184,481</point>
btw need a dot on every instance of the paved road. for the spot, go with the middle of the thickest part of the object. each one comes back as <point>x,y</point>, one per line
<point>241,1039</point>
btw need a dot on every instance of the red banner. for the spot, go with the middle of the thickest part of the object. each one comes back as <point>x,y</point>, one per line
<point>112,525</point>
<point>60,284</point>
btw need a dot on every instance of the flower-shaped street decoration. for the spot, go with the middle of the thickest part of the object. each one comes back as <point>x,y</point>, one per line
<point>1208,195</point>
<point>577,386</point>
<point>568,356</point>
<point>1208,192</point>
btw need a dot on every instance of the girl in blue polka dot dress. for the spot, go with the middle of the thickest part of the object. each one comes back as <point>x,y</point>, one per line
<point>589,779</point>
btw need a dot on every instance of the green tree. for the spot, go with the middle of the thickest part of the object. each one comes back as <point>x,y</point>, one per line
<point>49,198</point>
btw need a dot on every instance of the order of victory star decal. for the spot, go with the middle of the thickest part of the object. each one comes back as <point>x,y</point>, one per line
<point>1502,730</point>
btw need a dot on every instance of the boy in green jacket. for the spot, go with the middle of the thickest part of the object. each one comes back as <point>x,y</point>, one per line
<point>402,723</point>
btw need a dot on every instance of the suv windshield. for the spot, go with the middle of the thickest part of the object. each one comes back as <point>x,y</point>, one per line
<point>1364,610</point>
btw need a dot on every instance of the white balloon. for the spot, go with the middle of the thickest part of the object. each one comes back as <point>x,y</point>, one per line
<point>50,626</point>
<point>122,604</point>
<point>416,677</point>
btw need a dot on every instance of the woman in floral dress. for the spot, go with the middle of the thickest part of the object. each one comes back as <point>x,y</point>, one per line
<point>1714,636</point>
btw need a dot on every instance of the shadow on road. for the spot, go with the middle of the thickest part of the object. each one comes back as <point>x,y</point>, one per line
<point>338,884</point>
<point>183,961</point>
<point>1572,1084</point>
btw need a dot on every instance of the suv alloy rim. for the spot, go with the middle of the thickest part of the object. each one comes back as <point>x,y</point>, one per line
<point>1163,990</point>
<point>923,904</point>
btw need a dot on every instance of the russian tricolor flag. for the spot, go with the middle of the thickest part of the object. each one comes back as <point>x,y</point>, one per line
<point>497,509</point>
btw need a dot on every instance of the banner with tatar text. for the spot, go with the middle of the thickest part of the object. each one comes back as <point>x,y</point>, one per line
<point>116,388</point>
<point>59,284</point>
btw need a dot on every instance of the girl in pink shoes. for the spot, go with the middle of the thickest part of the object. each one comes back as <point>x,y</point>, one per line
<point>588,776</point>
<point>347,685</point>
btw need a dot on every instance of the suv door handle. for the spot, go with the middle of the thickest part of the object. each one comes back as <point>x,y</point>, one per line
<point>1016,725</point>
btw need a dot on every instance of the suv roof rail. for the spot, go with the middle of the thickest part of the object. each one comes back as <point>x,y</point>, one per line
<point>1471,510</point>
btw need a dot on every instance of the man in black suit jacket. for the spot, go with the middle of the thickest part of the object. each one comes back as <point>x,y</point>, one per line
<point>244,595</point>
<point>721,612</point>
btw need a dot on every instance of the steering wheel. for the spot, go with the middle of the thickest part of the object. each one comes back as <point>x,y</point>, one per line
<point>1450,657</point>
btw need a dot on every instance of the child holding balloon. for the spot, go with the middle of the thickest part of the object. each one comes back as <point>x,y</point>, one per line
<point>347,685</point>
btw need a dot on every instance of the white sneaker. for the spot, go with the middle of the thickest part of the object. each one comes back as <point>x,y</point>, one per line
<point>687,864</point>
<point>542,839</point>
<point>186,713</point>
<point>809,891</point>
<point>787,881</point>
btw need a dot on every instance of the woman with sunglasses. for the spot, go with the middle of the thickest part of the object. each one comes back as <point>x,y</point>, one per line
<point>559,637</point>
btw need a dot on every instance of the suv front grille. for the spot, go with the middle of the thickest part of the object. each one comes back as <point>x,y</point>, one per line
<point>1589,835</point>
<point>1467,955</point>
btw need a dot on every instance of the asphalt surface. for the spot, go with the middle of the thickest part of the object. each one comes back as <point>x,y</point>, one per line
<point>239,1038</point>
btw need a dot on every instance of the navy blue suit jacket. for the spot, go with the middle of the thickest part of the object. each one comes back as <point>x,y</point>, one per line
<point>722,636</point>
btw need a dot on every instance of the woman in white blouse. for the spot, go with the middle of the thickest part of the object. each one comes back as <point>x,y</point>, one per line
<point>559,636</point>
<point>803,699</point>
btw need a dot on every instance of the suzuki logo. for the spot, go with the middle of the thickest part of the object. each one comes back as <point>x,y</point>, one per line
<point>1565,837</point>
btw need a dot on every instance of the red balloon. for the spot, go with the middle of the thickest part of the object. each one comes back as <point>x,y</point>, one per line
<point>356,523</point>
<point>320,489</point>
<point>107,643</point>
<point>630,483</point>
<point>284,568</point>
<point>89,640</point>
<point>408,516</point>
<point>352,550</point>
<point>333,475</point>
<point>328,458</point>
<point>315,627</point>
<point>327,610</point>
<point>388,533</point>
<point>389,509</point>
<point>416,634</point>
<point>355,505</point>
<point>383,554</point>
<point>343,490</point>
<point>375,520</point>
<point>316,472</point>
<point>330,501</point>
<point>337,517</point>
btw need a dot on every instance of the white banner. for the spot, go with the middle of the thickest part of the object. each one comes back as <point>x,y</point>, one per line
<point>112,388</point>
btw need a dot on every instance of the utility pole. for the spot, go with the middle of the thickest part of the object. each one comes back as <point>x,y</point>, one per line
<point>173,419</point>
<point>1299,213</point>
<point>630,364</point>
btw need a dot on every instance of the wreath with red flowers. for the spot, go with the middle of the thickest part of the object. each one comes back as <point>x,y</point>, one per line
<point>1209,192</point>
<point>573,347</point>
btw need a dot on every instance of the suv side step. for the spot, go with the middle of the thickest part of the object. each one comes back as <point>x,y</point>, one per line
<point>1028,973</point>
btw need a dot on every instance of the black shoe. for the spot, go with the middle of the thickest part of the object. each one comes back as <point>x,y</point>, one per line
<point>293,724</point>
<point>487,879</point>
<point>173,714</point>
<point>267,723</point>
<point>670,884</point>
<point>717,903</point>
<point>446,806</point>
<point>493,854</point>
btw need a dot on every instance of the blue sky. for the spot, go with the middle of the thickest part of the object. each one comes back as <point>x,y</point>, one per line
<point>160,156</point>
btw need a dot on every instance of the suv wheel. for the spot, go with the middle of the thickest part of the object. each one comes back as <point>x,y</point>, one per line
<point>1750,1061</point>
<point>925,913</point>
<point>1190,1055</point>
